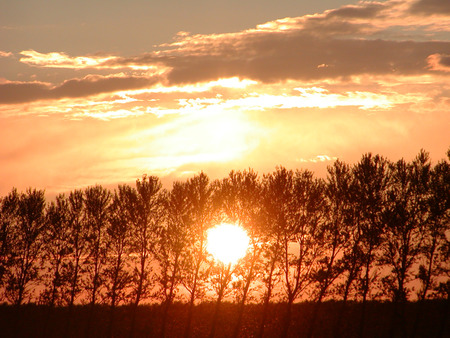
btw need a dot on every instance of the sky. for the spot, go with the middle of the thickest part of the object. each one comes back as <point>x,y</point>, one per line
<point>104,91</point>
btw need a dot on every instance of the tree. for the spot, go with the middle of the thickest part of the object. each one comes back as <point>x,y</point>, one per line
<point>56,250</point>
<point>239,197</point>
<point>342,237</point>
<point>8,217</point>
<point>26,245</point>
<point>369,199</point>
<point>116,275</point>
<point>172,246</point>
<point>336,230</point>
<point>296,208</point>
<point>97,200</point>
<point>438,264</point>
<point>404,216</point>
<point>276,189</point>
<point>194,271</point>
<point>434,232</point>
<point>77,243</point>
<point>145,214</point>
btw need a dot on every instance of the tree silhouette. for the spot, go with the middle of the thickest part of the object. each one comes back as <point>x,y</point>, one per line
<point>56,250</point>
<point>26,245</point>
<point>343,237</point>
<point>77,246</point>
<point>274,201</point>
<point>117,277</point>
<point>371,179</point>
<point>434,231</point>
<point>172,246</point>
<point>97,200</point>
<point>404,216</point>
<point>295,203</point>
<point>54,256</point>
<point>238,196</point>
<point>77,243</point>
<point>376,230</point>
<point>336,233</point>
<point>8,217</point>
<point>442,174</point>
<point>194,269</point>
<point>145,216</point>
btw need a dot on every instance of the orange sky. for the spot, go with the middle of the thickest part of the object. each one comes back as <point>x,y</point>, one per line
<point>298,91</point>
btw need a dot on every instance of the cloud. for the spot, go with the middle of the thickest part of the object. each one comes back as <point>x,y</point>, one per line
<point>431,7</point>
<point>439,62</point>
<point>362,39</point>
<point>5,54</point>
<point>62,60</point>
<point>22,92</point>
<point>279,57</point>
<point>338,45</point>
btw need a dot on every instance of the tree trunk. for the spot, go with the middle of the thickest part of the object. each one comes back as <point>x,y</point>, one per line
<point>187,331</point>
<point>266,302</point>
<point>222,288</point>
<point>287,318</point>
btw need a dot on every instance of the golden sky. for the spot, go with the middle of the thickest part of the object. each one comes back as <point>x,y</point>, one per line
<point>299,89</point>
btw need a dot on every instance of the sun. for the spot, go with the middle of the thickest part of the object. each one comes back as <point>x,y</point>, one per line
<point>227,242</point>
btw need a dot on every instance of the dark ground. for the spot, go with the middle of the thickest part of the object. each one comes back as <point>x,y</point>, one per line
<point>40,321</point>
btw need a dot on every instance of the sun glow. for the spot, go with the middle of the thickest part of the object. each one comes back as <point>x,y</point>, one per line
<point>227,243</point>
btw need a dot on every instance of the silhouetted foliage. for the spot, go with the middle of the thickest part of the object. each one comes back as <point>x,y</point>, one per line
<point>26,245</point>
<point>375,230</point>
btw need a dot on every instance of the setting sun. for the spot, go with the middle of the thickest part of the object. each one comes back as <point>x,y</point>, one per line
<point>227,242</point>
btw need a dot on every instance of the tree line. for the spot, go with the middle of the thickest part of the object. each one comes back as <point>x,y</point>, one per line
<point>376,229</point>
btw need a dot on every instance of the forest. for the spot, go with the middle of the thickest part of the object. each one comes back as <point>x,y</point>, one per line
<point>367,248</point>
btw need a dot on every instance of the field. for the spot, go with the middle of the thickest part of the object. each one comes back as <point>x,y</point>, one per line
<point>84,321</point>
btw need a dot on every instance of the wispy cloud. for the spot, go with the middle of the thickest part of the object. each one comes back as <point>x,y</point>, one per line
<point>5,54</point>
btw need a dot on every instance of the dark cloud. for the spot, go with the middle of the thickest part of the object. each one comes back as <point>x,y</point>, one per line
<point>18,92</point>
<point>276,57</point>
<point>367,11</point>
<point>445,60</point>
<point>430,7</point>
